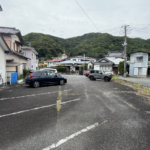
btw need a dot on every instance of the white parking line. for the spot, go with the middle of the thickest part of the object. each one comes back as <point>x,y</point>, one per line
<point>62,141</point>
<point>23,111</point>
<point>2,99</point>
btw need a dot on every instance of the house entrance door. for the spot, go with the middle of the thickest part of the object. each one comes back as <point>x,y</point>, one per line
<point>140,71</point>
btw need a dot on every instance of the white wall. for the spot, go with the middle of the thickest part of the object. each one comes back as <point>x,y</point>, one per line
<point>138,68</point>
<point>2,65</point>
<point>96,67</point>
<point>18,59</point>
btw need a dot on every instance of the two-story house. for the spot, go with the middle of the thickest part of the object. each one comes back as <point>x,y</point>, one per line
<point>15,61</point>
<point>4,49</point>
<point>139,64</point>
<point>110,62</point>
<point>31,53</point>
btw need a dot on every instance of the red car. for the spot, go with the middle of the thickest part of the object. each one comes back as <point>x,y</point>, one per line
<point>87,73</point>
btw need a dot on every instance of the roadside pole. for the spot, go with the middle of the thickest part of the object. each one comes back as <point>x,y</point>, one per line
<point>125,57</point>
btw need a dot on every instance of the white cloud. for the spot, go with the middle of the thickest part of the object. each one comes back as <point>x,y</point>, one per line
<point>64,18</point>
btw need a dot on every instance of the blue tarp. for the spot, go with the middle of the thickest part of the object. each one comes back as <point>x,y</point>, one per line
<point>14,77</point>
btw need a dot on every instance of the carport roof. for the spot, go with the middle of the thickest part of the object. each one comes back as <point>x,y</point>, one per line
<point>13,64</point>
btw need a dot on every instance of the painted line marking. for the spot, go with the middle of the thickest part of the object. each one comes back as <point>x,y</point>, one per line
<point>62,141</point>
<point>130,105</point>
<point>2,99</point>
<point>70,101</point>
<point>23,111</point>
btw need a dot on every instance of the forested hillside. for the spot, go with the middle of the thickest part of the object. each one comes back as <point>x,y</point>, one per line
<point>92,44</point>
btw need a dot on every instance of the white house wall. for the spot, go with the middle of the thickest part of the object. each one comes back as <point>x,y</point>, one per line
<point>18,59</point>
<point>96,67</point>
<point>135,66</point>
<point>2,65</point>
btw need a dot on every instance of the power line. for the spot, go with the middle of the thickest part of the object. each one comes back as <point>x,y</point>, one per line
<point>87,15</point>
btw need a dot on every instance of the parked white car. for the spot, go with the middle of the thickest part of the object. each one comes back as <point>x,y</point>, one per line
<point>109,72</point>
<point>54,70</point>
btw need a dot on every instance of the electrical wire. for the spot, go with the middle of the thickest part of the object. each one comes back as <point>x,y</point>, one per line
<point>129,32</point>
<point>87,16</point>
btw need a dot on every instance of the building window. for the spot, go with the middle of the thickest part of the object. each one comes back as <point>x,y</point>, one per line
<point>24,53</point>
<point>139,59</point>
<point>8,43</point>
<point>15,47</point>
<point>24,66</point>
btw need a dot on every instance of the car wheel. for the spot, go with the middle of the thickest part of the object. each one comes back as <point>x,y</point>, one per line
<point>36,84</point>
<point>61,82</point>
<point>106,79</point>
<point>91,78</point>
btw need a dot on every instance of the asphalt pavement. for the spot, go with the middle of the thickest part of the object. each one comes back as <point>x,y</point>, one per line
<point>81,115</point>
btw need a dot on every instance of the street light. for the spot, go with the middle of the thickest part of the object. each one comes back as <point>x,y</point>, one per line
<point>1,8</point>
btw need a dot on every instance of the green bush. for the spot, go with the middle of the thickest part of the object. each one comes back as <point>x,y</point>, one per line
<point>121,67</point>
<point>25,72</point>
<point>85,66</point>
<point>60,68</point>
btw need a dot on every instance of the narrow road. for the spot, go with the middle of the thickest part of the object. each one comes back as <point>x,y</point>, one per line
<point>89,115</point>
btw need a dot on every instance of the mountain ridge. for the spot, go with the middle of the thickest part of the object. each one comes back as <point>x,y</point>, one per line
<point>91,44</point>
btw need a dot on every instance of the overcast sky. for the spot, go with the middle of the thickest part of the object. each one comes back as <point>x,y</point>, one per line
<point>64,18</point>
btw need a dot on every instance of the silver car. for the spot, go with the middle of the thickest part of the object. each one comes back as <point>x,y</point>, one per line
<point>96,74</point>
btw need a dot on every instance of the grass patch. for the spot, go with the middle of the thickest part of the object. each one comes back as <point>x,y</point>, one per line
<point>21,78</point>
<point>146,91</point>
<point>137,86</point>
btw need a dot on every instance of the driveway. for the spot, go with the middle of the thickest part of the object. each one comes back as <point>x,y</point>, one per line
<point>142,81</point>
<point>93,115</point>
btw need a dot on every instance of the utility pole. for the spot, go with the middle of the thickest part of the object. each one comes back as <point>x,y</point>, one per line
<point>125,44</point>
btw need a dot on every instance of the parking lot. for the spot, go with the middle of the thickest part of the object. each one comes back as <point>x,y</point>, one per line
<point>80,115</point>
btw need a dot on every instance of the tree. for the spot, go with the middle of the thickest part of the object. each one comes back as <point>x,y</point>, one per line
<point>121,67</point>
<point>59,54</point>
<point>85,66</point>
<point>45,65</point>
